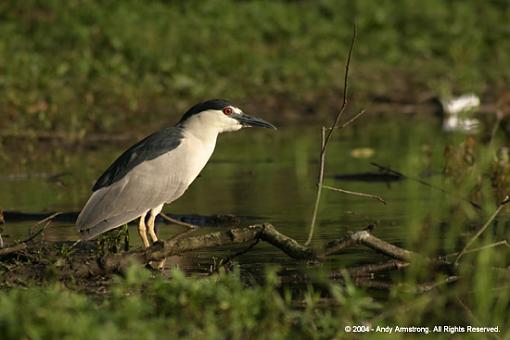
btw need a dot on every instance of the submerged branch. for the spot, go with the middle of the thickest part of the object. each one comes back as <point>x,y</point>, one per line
<point>356,193</point>
<point>366,238</point>
<point>13,249</point>
<point>482,229</point>
<point>81,264</point>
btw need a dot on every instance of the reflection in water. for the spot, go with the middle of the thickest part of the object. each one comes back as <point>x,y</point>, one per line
<point>264,176</point>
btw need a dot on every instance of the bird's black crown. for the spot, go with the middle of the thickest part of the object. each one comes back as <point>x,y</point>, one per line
<point>213,104</point>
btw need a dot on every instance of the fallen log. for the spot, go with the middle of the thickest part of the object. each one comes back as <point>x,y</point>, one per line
<point>82,264</point>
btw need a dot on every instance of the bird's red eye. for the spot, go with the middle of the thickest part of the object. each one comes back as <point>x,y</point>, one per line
<point>228,111</point>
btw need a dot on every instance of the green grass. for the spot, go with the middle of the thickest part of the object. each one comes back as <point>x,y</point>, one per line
<point>140,307</point>
<point>83,66</point>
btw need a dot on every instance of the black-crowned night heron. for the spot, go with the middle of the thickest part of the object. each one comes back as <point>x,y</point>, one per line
<point>159,169</point>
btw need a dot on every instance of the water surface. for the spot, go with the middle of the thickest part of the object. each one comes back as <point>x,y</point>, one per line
<point>261,175</point>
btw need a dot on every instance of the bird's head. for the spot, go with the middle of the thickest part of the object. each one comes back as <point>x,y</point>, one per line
<point>220,115</point>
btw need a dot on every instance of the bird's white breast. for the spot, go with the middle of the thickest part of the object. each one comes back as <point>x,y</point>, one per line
<point>194,153</point>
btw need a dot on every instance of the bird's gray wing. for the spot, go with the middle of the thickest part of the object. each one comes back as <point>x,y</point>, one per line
<point>146,186</point>
<point>149,148</point>
<point>135,183</point>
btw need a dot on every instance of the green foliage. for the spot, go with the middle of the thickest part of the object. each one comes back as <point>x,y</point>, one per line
<point>144,307</point>
<point>89,65</point>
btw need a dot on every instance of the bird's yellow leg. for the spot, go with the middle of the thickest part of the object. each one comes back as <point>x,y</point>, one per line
<point>151,225</point>
<point>142,231</point>
<point>152,221</point>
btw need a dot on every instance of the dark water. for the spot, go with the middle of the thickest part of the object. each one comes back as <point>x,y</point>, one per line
<point>259,174</point>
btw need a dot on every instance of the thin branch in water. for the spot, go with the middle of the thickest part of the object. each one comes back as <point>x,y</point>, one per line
<point>350,121</point>
<point>228,259</point>
<point>426,287</point>
<point>319,187</point>
<point>488,246</point>
<point>372,268</point>
<point>21,245</point>
<point>47,219</point>
<point>325,138</point>
<point>46,222</point>
<point>482,229</point>
<point>425,183</point>
<point>353,119</point>
<point>346,85</point>
<point>356,193</point>
<point>13,249</point>
<point>366,238</point>
<point>174,221</point>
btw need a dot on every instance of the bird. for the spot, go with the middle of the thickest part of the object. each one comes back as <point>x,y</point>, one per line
<point>158,169</point>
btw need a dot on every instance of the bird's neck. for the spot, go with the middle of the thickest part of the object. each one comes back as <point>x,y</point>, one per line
<point>205,134</point>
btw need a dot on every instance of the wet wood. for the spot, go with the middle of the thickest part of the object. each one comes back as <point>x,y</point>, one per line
<point>164,249</point>
<point>82,263</point>
<point>13,249</point>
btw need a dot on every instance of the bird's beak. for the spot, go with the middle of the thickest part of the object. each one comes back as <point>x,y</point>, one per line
<point>249,121</point>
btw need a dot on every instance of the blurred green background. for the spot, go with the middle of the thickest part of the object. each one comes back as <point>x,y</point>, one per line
<point>81,66</point>
<point>125,68</point>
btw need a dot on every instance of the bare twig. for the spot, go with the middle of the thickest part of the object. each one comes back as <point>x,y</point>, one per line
<point>372,268</point>
<point>47,219</point>
<point>326,137</point>
<point>13,249</point>
<point>366,238</point>
<point>319,186</point>
<point>228,259</point>
<point>174,221</point>
<point>488,246</point>
<point>482,229</point>
<point>425,183</point>
<point>22,245</point>
<point>46,222</point>
<point>426,287</point>
<point>353,119</point>
<point>356,193</point>
<point>346,84</point>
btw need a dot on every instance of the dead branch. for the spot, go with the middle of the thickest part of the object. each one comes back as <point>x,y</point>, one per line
<point>23,245</point>
<point>320,180</point>
<point>164,249</point>
<point>325,140</point>
<point>477,249</point>
<point>399,175</point>
<point>355,193</point>
<point>365,238</point>
<point>482,229</point>
<point>172,220</point>
<point>263,232</point>
<point>426,287</point>
<point>370,269</point>
<point>81,266</point>
<point>13,249</point>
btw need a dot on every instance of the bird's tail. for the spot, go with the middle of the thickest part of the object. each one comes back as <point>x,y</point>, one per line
<point>110,223</point>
